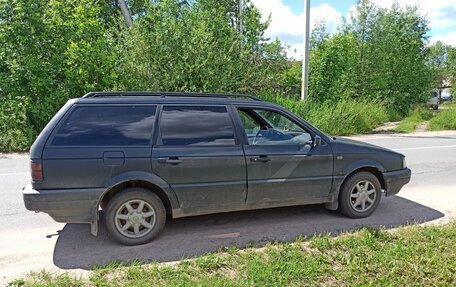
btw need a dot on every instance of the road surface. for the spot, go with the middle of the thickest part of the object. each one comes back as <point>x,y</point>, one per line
<point>33,241</point>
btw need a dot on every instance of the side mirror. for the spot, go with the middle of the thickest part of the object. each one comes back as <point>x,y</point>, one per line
<point>316,141</point>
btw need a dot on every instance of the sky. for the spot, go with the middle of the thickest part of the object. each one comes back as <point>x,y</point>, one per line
<point>287,18</point>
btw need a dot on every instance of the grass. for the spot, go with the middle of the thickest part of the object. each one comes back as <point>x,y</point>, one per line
<point>415,117</point>
<point>344,117</point>
<point>444,120</point>
<point>410,256</point>
<point>448,104</point>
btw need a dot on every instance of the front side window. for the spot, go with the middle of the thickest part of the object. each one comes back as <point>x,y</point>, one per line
<point>107,126</point>
<point>266,127</point>
<point>196,126</point>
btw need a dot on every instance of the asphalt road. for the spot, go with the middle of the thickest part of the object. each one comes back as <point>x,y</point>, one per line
<point>33,241</point>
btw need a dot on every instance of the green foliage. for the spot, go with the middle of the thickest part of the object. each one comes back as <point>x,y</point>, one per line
<point>380,55</point>
<point>15,133</point>
<point>415,117</point>
<point>51,51</point>
<point>194,47</point>
<point>341,118</point>
<point>441,59</point>
<point>451,60</point>
<point>444,120</point>
<point>332,67</point>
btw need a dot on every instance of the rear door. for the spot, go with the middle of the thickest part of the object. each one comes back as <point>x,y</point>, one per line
<point>94,143</point>
<point>198,154</point>
<point>282,165</point>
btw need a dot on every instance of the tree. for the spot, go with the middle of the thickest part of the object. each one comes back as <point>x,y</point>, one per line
<point>126,14</point>
<point>441,60</point>
<point>380,54</point>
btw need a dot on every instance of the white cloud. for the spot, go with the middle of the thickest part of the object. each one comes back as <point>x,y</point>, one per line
<point>295,50</point>
<point>449,39</point>
<point>289,27</point>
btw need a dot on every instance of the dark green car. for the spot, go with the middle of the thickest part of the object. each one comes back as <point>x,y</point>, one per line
<point>142,155</point>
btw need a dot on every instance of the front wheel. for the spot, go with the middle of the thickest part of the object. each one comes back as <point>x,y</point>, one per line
<point>360,195</point>
<point>135,216</point>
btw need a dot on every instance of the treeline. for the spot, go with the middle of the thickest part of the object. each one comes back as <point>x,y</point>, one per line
<point>380,55</point>
<point>54,50</point>
<point>51,51</point>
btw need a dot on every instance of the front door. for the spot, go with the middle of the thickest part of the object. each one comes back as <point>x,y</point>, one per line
<point>198,155</point>
<point>282,164</point>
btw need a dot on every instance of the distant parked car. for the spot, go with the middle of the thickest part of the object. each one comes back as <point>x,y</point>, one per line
<point>142,155</point>
<point>433,103</point>
<point>446,95</point>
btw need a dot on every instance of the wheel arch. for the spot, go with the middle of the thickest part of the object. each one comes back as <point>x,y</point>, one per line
<point>145,180</point>
<point>369,166</point>
<point>371,169</point>
<point>137,183</point>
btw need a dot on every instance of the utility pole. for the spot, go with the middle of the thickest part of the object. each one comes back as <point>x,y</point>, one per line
<point>305,54</point>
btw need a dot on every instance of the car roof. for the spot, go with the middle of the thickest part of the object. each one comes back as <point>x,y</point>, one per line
<point>171,98</point>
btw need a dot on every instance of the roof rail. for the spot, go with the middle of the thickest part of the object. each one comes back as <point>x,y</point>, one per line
<point>166,94</point>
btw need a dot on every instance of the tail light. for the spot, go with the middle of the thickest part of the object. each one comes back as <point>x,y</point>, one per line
<point>36,170</point>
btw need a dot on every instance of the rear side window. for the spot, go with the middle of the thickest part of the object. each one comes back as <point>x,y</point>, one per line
<point>196,126</point>
<point>107,126</point>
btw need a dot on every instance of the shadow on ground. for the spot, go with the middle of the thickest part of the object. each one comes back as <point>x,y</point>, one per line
<point>193,236</point>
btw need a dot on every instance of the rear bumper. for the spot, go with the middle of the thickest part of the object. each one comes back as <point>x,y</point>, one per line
<point>395,180</point>
<point>64,205</point>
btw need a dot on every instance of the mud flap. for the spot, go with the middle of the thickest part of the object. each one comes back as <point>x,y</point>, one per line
<point>94,222</point>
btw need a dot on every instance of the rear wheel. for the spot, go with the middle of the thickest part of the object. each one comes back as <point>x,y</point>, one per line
<point>135,216</point>
<point>360,195</point>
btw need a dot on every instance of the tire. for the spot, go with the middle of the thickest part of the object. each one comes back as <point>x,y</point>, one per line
<point>360,195</point>
<point>129,225</point>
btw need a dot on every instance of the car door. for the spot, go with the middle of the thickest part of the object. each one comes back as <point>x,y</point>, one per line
<point>199,156</point>
<point>282,163</point>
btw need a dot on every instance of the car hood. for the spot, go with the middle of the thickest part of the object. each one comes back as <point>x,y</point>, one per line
<point>346,145</point>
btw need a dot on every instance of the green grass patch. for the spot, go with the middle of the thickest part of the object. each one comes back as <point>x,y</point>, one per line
<point>444,120</point>
<point>410,256</point>
<point>345,117</point>
<point>415,117</point>
<point>448,104</point>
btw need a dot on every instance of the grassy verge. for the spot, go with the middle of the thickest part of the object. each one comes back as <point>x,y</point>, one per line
<point>411,256</point>
<point>416,116</point>
<point>444,120</point>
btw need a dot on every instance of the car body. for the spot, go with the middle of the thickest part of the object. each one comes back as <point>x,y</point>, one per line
<point>142,155</point>
<point>433,103</point>
<point>446,95</point>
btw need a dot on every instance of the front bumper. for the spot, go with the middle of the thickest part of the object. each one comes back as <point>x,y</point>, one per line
<point>64,205</point>
<point>395,180</point>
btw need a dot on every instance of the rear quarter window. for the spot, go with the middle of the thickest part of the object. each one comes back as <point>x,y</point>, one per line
<point>106,126</point>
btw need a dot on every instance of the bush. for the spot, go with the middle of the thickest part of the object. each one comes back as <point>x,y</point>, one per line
<point>342,118</point>
<point>15,133</point>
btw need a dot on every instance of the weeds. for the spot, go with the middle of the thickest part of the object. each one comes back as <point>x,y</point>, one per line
<point>444,120</point>
<point>409,256</point>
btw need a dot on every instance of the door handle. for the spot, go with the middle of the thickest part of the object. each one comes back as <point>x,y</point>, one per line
<point>171,160</point>
<point>260,159</point>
